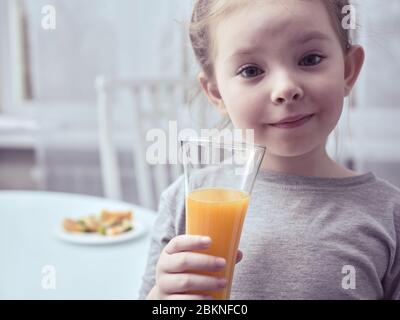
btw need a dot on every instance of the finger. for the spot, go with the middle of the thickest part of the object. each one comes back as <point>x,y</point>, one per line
<point>239,256</point>
<point>190,261</point>
<point>187,243</point>
<point>188,297</point>
<point>184,282</point>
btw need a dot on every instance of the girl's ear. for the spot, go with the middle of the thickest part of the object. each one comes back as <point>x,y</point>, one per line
<point>210,88</point>
<point>354,61</point>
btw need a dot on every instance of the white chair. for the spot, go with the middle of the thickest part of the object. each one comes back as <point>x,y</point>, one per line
<point>154,103</point>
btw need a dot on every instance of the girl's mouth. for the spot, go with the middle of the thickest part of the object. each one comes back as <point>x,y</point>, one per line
<point>294,122</point>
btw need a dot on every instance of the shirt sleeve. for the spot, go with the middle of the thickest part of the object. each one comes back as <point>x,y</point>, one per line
<point>392,278</point>
<point>165,228</point>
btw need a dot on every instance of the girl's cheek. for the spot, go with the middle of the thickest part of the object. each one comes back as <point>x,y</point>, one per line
<point>246,104</point>
<point>328,99</point>
<point>245,110</point>
<point>328,89</point>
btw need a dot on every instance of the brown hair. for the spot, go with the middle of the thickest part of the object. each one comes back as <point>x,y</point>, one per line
<point>207,12</point>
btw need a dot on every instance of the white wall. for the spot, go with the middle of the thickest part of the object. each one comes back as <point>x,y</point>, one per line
<point>5,98</point>
<point>120,38</point>
<point>375,130</point>
<point>380,35</point>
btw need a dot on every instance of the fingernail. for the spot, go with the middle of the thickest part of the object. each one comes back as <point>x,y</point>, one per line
<point>220,262</point>
<point>205,240</point>
<point>222,283</point>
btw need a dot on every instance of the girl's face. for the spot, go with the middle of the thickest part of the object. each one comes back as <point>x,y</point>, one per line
<point>276,62</point>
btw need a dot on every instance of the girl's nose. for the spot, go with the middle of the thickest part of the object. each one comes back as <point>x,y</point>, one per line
<point>286,92</point>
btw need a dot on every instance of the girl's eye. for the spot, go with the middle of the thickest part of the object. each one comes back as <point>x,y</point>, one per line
<point>311,60</point>
<point>250,72</point>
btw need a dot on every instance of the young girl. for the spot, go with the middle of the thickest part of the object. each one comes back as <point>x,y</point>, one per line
<point>314,229</point>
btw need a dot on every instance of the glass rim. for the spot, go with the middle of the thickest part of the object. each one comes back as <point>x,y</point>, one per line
<point>230,145</point>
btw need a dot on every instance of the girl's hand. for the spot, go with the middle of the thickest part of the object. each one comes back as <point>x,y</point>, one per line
<point>173,280</point>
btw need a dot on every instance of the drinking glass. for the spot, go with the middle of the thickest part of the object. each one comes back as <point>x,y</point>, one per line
<point>219,178</point>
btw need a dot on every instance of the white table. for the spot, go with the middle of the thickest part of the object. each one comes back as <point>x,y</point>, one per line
<point>28,244</point>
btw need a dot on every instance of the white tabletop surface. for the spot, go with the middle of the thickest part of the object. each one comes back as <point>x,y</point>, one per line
<point>30,252</point>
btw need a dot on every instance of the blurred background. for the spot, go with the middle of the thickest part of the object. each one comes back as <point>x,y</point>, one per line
<point>79,92</point>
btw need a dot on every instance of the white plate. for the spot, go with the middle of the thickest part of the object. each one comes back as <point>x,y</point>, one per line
<point>98,239</point>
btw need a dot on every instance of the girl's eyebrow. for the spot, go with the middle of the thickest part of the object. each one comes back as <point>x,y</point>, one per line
<point>313,35</point>
<point>303,39</point>
<point>245,51</point>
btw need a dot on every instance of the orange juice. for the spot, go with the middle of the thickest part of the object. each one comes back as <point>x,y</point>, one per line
<point>219,214</point>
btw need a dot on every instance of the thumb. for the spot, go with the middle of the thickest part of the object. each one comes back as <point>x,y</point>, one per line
<point>239,256</point>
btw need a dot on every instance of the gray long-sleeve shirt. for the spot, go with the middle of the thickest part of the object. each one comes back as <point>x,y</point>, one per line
<point>305,238</point>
